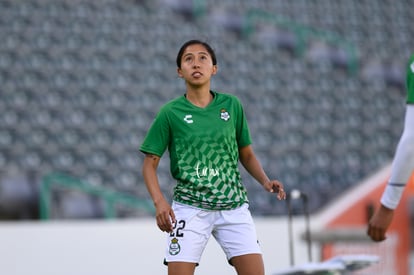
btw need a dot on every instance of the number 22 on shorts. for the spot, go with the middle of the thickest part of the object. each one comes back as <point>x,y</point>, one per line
<point>177,229</point>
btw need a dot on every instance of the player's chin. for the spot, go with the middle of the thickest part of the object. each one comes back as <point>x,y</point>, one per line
<point>198,81</point>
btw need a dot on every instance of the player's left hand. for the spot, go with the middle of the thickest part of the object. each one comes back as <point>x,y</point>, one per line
<point>275,186</point>
<point>379,223</point>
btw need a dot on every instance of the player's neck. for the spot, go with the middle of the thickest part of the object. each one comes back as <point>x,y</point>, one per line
<point>199,97</point>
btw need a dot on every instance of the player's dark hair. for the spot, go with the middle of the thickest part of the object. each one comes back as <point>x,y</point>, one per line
<point>193,42</point>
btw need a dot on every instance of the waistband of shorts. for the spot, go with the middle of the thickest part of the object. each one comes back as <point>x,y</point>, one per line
<point>204,209</point>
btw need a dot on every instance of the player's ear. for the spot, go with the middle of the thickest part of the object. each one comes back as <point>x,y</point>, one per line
<point>215,69</point>
<point>180,74</point>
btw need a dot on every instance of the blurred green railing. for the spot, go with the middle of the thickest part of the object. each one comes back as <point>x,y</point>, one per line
<point>111,198</point>
<point>303,34</point>
<point>254,15</point>
<point>199,8</point>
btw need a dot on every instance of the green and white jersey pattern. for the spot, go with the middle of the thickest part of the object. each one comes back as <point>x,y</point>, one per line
<point>203,144</point>
<point>410,81</point>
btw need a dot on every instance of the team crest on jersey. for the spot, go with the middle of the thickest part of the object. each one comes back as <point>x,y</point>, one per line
<point>175,247</point>
<point>224,115</point>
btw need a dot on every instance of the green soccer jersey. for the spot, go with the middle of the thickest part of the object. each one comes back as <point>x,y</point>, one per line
<point>203,145</point>
<point>410,81</point>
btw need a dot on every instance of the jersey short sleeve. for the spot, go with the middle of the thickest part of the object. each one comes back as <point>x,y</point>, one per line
<point>242,128</point>
<point>158,135</point>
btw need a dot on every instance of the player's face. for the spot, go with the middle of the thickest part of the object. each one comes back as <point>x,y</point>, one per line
<point>196,65</point>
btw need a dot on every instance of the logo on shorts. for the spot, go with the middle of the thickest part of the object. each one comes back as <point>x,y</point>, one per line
<point>174,247</point>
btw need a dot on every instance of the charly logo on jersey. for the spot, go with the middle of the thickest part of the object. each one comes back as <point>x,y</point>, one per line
<point>224,115</point>
<point>175,247</point>
<point>188,119</point>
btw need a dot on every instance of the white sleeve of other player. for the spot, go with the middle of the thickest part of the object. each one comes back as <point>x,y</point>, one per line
<point>403,163</point>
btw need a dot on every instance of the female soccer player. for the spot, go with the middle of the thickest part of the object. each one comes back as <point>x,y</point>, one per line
<point>402,168</point>
<point>206,134</point>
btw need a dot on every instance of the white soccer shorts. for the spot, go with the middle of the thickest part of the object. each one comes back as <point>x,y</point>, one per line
<point>233,229</point>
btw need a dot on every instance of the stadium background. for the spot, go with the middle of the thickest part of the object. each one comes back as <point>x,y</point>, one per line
<point>323,84</point>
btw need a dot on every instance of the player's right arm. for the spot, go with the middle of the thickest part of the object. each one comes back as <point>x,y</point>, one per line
<point>402,169</point>
<point>163,212</point>
<point>403,163</point>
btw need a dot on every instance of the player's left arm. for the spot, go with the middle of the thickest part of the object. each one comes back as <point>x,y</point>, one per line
<point>250,162</point>
<point>403,163</point>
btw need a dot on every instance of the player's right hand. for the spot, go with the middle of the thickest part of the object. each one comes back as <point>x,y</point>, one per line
<point>165,216</point>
